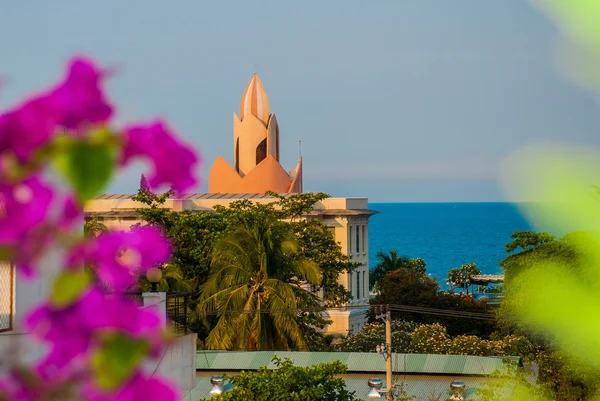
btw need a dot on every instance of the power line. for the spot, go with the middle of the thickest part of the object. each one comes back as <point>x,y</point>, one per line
<point>393,307</point>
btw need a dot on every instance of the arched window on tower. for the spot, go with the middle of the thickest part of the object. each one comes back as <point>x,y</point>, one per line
<point>261,151</point>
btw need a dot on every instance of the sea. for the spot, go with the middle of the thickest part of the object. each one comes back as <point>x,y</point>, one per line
<point>445,235</point>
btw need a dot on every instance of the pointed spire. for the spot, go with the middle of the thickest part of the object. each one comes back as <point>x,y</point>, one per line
<point>255,101</point>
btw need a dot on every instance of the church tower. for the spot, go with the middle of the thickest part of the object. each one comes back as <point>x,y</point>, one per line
<point>256,151</point>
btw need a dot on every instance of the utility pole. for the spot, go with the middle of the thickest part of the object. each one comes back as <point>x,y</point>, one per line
<point>385,350</point>
<point>388,346</point>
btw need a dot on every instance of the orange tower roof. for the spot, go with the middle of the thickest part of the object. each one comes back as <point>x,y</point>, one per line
<point>255,101</point>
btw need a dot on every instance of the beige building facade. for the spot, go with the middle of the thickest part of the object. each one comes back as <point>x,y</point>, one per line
<point>347,218</point>
<point>256,170</point>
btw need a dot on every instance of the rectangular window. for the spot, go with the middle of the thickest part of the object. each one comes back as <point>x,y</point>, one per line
<point>357,285</point>
<point>350,284</point>
<point>350,240</point>
<point>364,238</point>
<point>357,239</point>
<point>365,284</point>
<point>6,296</point>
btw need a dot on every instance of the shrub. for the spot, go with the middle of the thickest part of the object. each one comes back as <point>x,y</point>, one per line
<point>430,339</point>
<point>373,334</point>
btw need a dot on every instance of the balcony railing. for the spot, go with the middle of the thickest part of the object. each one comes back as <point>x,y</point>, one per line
<point>177,309</point>
<point>177,312</point>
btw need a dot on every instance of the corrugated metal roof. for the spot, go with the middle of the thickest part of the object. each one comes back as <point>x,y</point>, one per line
<point>202,196</point>
<point>356,361</point>
<point>419,386</point>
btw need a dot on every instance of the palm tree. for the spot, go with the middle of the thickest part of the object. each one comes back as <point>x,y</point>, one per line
<point>256,286</point>
<point>391,261</point>
<point>93,227</point>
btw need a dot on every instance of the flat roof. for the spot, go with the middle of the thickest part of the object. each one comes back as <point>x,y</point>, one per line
<point>356,361</point>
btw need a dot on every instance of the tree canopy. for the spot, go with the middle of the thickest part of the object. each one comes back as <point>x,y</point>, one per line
<point>411,287</point>
<point>562,375</point>
<point>290,383</point>
<point>461,276</point>
<point>197,236</point>
<point>194,234</point>
<point>390,261</point>
<point>256,285</point>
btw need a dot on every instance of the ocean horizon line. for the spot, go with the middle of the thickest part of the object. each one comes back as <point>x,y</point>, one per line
<point>454,202</point>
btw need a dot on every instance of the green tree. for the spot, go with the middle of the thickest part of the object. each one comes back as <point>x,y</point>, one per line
<point>390,261</point>
<point>257,268</point>
<point>92,227</point>
<point>562,376</point>
<point>172,281</point>
<point>461,276</point>
<point>193,234</point>
<point>373,334</point>
<point>528,248</point>
<point>318,244</point>
<point>409,287</point>
<point>290,383</point>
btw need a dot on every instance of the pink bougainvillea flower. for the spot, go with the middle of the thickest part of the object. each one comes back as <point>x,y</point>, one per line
<point>79,100</point>
<point>24,213</point>
<point>113,311</point>
<point>24,207</point>
<point>72,104</point>
<point>173,162</point>
<point>4,391</point>
<point>27,128</point>
<point>29,249</point>
<point>120,256</point>
<point>138,388</point>
<point>66,332</point>
<point>71,331</point>
<point>71,214</point>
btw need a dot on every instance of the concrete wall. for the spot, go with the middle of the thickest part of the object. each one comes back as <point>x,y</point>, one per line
<point>177,363</point>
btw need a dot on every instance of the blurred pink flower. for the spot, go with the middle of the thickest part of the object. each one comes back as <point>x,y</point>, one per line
<point>74,103</point>
<point>25,206</point>
<point>71,331</point>
<point>71,215</point>
<point>115,312</point>
<point>119,256</point>
<point>24,211</point>
<point>65,331</point>
<point>27,128</point>
<point>79,100</point>
<point>173,162</point>
<point>138,388</point>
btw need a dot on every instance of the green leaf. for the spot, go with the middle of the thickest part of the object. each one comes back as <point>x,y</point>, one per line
<point>68,286</point>
<point>115,362</point>
<point>88,166</point>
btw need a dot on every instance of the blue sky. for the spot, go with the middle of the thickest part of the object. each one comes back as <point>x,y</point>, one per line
<point>393,100</point>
